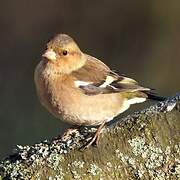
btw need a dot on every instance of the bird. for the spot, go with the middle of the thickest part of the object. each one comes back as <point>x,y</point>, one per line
<point>81,90</point>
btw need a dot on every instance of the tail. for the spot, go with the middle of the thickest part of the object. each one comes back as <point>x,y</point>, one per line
<point>152,96</point>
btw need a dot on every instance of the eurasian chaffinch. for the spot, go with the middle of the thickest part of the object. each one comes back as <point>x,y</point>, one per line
<point>80,89</point>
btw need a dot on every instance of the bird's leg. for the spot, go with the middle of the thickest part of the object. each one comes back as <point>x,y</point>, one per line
<point>68,132</point>
<point>96,137</point>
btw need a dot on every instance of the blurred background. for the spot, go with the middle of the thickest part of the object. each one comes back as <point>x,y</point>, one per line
<point>139,38</point>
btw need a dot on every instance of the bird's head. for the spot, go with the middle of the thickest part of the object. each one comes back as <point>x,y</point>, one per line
<point>64,53</point>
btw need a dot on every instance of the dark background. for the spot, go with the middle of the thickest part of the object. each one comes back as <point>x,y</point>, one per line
<point>140,38</point>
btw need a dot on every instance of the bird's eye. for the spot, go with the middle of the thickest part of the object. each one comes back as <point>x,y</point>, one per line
<point>64,52</point>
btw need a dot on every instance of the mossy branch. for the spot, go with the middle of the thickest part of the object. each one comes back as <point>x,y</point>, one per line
<point>144,145</point>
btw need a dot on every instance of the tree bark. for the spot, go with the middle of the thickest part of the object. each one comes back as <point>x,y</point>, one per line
<point>144,145</point>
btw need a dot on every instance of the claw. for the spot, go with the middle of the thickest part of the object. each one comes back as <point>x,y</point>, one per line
<point>68,132</point>
<point>95,139</point>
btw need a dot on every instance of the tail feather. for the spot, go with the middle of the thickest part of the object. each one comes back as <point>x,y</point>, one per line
<point>152,96</point>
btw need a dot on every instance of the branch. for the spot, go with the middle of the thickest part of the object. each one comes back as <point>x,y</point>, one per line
<point>144,145</point>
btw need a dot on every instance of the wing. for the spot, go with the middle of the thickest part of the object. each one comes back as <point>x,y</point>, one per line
<point>97,78</point>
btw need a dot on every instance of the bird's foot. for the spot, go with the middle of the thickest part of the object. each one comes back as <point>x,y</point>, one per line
<point>69,132</point>
<point>95,139</point>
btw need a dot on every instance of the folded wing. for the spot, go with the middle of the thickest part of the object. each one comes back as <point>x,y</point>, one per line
<point>96,78</point>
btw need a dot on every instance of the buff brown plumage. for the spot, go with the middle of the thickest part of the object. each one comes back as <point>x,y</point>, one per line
<point>80,89</point>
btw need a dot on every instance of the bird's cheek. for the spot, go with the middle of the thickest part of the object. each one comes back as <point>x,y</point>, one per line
<point>60,62</point>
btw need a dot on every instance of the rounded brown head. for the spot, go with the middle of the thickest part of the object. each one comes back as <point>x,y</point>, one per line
<point>63,52</point>
<point>62,40</point>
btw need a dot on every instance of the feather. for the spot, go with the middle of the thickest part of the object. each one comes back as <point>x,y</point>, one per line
<point>96,78</point>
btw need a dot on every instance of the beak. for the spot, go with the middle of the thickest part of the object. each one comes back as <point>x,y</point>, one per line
<point>50,54</point>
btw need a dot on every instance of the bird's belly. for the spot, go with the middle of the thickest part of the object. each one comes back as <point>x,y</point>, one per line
<point>77,108</point>
<point>92,110</point>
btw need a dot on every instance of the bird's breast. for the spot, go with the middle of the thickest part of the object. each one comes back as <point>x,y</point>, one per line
<point>66,102</point>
